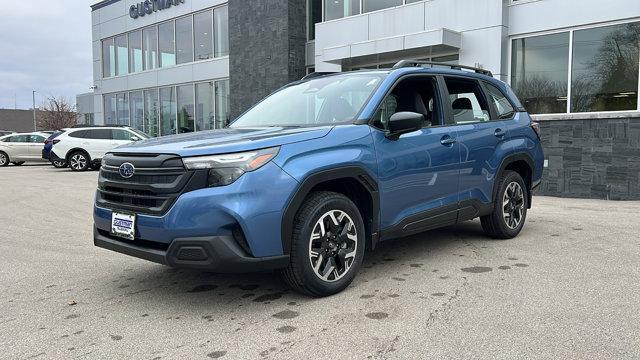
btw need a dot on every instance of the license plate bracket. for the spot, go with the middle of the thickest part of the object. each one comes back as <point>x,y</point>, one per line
<point>123,225</point>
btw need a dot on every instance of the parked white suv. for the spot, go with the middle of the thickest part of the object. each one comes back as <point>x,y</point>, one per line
<point>18,148</point>
<point>82,148</point>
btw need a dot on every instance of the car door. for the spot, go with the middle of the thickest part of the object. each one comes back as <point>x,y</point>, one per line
<point>99,143</point>
<point>418,172</point>
<point>18,148</point>
<point>482,139</point>
<point>36,143</point>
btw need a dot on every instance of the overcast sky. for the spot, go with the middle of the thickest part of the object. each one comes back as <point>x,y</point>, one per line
<point>44,46</point>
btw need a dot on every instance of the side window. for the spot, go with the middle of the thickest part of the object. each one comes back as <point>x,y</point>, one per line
<point>467,101</point>
<point>417,94</point>
<point>19,139</point>
<point>99,134</point>
<point>500,101</point>
<point>81,134</point>
<point>36,139</point>
<point>120,134</point>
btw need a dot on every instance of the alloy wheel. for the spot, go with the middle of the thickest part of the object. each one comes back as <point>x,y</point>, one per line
<point>333,245</point>
<point>78,162</point>
<point>3,159</point>
<point>513,205</point>
<point>58,163</point>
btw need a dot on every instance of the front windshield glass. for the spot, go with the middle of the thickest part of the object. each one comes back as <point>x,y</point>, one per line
<point>322,101</point>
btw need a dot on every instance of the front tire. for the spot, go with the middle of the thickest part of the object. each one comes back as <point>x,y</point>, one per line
<point>510,210</point>
<point>79,161</point>
<point>327,247</point>
<point>4,159</point>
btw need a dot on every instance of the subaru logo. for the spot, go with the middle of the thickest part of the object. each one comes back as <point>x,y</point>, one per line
<point>127,170</point>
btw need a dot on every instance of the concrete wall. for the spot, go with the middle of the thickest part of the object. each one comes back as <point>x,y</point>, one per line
<point>592,158</point>
<point>481,23</point>
<point>527,16</point>
<point>114,19</point>
<point>267,48</point>
<point>17,120</point>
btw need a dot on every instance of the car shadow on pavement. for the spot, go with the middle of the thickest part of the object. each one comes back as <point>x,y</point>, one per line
<point>168,286</point>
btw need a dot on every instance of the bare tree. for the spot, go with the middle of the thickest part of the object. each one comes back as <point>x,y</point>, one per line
<point>57,113</point>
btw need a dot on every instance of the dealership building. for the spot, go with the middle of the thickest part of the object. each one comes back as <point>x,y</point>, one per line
<point>171,66</point>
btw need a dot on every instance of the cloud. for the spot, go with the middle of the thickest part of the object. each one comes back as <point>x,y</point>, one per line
<point>45,47</point>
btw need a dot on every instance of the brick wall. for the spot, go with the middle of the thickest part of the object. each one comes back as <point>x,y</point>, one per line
<point>267,48</point>
<point>592,158</point>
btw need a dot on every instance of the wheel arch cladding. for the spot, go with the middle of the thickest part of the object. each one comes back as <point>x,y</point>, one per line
<point>522,163</point>
<point>352,181</point>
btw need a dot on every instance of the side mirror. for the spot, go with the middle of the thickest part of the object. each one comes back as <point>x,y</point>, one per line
<point>404,122</point>
<point>135,138</point>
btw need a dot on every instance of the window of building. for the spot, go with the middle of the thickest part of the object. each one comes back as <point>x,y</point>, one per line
<point>168,107</point>
<point>122,108</point>
<point>166,44</point>
<point>122,55</point>
<point>539,72</point>
<point>222,103</point>
<point>203,35</point>
<point>500,102</point>
<point>205,118</point>
<point>373,5</point>
<point>184,40</point>
<point>467,101</point>
<point>221,24</point>
<point>136,110</point>
<point>314,16</point>
<point>150,48</point>
<point>108,58</point>
<point>336,9</point>
<point>151,112</point>
<point>604,68</point>
<point>195,37</point>
<point>110,109</point>
<point>135,51</point>
<point>186,109</point>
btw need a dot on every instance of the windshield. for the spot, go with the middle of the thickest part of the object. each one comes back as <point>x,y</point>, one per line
<point>322,101</point>
<point>140,133</point>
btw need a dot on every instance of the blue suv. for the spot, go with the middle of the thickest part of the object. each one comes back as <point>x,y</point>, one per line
<point>324,169</point>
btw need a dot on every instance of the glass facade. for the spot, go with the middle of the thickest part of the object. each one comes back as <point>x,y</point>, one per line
<point>539,70</point>
<point>171,109</point>
<point>135,51</point>
<point>122,55</point>
<point>166,44</point>
<point>203,38</point>
<point>587,70</point>
<point>184,43</point>
<point>150,48</point>
<point>604,68</point>
<point>195,37</point>
<point>336,9</point>
<point>221,31</point>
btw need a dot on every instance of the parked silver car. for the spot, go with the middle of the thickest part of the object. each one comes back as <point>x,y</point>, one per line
<point>18,148</point>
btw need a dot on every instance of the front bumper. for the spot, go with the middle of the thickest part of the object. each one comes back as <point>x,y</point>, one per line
<point>212,253</point>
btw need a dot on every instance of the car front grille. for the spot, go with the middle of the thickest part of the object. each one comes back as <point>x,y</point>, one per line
<point>156,184</point>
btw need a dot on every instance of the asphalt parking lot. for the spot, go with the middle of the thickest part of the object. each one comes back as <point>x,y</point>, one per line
<point>567,287</point>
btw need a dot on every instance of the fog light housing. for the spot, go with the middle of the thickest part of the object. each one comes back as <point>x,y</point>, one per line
<point>223,176</point>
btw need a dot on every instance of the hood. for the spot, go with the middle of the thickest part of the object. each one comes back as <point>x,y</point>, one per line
<point>222,141</point>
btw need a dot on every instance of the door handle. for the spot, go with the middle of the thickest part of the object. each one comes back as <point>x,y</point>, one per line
<point>447,140</point>
<point>500,133</point>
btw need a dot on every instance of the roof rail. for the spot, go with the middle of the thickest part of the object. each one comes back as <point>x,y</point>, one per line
<point>420,63</point>
<point>316,74</point>
<point>97,126</point>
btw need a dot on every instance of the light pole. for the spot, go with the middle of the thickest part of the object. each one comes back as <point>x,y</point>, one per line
<point>35,128</point>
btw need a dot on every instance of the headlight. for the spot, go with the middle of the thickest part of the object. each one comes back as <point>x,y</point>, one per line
<point>226,168</point>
